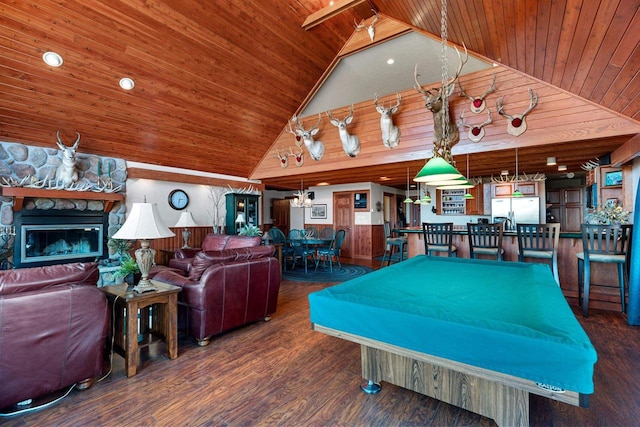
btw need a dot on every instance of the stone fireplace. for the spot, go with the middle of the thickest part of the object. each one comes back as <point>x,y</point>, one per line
<point>54,225</point>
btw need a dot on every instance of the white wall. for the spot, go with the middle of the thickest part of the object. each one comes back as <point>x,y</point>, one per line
<point>157,192</point>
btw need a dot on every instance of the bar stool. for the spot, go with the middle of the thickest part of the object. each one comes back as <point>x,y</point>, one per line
<point>540,241</point>
<point>485,239</point>
<point>438,237</point>
<point>603,243</point>
<point>390,243</point>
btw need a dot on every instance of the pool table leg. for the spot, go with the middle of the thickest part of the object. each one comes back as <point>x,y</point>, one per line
<point>370,387</point>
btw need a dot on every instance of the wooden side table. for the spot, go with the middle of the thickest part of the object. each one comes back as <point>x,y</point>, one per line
<point>164,319</point>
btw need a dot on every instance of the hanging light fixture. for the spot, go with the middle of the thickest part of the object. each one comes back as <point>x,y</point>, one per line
<point>437,169</point>
<point>457,184</point>
<point>468,195</point>
<point>417,201</point>
<point>302,199</point>
<point>516,192</point>
<point>408,199</point>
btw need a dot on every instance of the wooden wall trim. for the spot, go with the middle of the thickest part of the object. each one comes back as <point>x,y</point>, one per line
<point>141,173</point>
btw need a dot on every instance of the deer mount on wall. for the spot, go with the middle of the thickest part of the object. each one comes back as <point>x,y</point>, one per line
<point>476,132</point>
<point>67,172</point>
<point>434,100</point>
<point>350,143</point>
<point>390,132</point>
<point>315,147</point>
<point>477,103</point>
<point>370,28</point>
<point>284,155</point>
<point>517,123</point>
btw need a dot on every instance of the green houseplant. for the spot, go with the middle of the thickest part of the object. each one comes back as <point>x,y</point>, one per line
<point>250,230</point>
<point>128,270</point>
<point>608,214</point>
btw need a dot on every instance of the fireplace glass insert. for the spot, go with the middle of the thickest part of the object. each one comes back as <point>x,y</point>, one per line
<point>45,237</point>
<point>60,242</point>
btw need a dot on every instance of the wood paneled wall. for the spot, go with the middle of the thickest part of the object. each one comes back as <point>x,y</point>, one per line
<point>559,118</point>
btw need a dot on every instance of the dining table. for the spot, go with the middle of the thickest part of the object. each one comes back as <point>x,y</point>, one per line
<point>311,242</point>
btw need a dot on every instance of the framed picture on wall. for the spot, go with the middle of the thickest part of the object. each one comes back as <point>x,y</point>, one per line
<point>613,178</point>
<point>319,212</point>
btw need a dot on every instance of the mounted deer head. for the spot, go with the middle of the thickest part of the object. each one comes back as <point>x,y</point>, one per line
<point>517,123</point>
<point>476,132</point>
<point>284,158</point>
<point>433,99</point>
<point>298,157</point>
<point>370,28</point>
<point>66,172</point>
<point>477,103</point>
<point>315,148</point>
<point>390,132</point>
<point>350,143</point>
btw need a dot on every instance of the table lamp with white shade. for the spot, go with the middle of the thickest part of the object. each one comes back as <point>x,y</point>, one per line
<point>240,220</point>
<point>186,220</point>
<point>144,223</point>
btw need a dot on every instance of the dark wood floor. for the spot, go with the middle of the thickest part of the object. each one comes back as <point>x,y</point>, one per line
<point>281,373</point>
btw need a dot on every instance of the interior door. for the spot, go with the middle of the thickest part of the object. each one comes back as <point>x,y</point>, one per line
<point>343,219</point>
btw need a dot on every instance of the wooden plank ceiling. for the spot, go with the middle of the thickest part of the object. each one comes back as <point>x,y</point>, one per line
<point>216,82</point>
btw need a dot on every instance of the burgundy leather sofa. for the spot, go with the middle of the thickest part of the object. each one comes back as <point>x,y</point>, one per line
<point>53,326</point>
<point>225,289</point>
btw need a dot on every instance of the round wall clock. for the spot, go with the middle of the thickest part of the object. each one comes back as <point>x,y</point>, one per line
<point>178,199</point>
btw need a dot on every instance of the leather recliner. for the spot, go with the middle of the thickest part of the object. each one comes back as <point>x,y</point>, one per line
<point>53,326</point>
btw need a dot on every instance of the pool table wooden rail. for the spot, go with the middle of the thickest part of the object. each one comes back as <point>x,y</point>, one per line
<point>501,397</point>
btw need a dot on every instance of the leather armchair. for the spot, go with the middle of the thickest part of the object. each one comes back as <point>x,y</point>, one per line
<point>226,289</point>
<point>53,326</point>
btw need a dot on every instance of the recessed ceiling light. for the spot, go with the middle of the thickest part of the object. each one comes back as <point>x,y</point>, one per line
<point>127,83</point>
<point>52,59</point>
<point>562,167</point>
<point>504,172</point>
<point>322,183</point>
<point>391,61</point>
<point>551,161</point>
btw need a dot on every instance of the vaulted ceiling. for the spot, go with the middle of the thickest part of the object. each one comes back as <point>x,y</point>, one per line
<point>216,82</point>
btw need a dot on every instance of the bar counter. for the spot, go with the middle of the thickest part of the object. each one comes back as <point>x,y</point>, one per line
<point>602,297</point>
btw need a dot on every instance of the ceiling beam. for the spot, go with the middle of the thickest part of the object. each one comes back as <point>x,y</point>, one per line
<point>325,13</point>
<point>627,152</point>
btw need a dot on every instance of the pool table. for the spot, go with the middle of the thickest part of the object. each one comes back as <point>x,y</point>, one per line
<point>477,334</point>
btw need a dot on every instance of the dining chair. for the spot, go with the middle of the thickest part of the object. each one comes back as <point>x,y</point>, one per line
<point>332,251</point>
<point>608,244</point>
<point>311,232</point>
<point>278,238</point>
<point>539,241</point>
<point>485,239</point>
<point>328,233</point>
<point>391,243</point>
<point>301,249</point>
<point>438,238</point>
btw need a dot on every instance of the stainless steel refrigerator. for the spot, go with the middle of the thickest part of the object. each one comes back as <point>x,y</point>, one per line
<point>524,210</point>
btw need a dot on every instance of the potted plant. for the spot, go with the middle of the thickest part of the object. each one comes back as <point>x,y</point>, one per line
<point>250,230</point>
<point>608,214</point>
<point>128,271</point>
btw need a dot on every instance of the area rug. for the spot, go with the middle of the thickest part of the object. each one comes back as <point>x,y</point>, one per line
<point>322,274</point>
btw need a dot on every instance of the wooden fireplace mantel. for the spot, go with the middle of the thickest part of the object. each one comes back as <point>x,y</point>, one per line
<point>19,193</point>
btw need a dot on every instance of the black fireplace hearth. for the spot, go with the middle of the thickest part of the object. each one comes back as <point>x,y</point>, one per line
<point>46,237</point>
